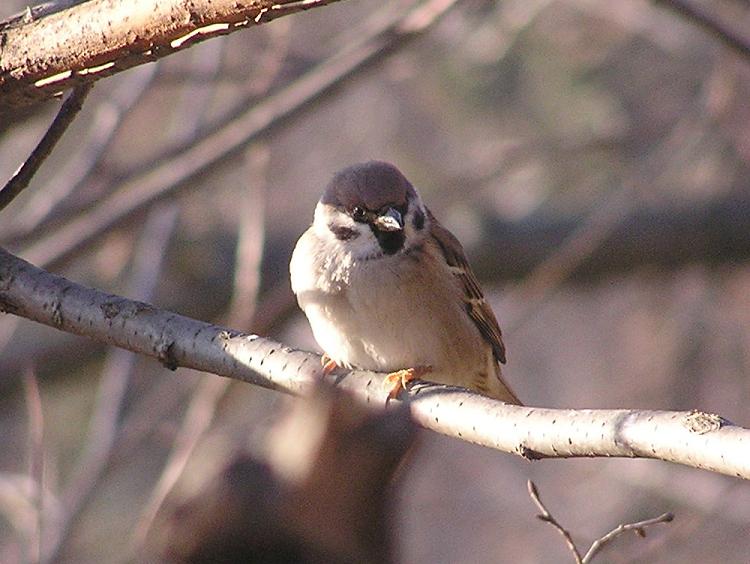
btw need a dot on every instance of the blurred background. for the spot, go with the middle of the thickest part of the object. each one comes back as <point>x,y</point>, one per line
<point>593,157</point>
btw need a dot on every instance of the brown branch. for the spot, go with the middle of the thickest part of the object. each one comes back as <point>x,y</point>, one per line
<point>68,111</point>
<point>599,544</point>
<point>220,145</point>
<point>696,439</point>
<point>100,38</point>
<point>732,38</point>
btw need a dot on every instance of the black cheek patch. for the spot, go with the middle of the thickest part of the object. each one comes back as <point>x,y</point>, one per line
<point>390,241</point>
<point>418,220</point>
<point>343,233</point>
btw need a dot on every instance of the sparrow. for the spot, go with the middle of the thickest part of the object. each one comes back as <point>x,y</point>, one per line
<point>386,288</point>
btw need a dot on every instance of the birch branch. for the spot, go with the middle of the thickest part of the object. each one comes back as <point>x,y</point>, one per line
<point>98,38</point>
<point>696,439</point>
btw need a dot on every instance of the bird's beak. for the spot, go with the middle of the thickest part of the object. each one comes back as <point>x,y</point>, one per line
<point>389,221</point>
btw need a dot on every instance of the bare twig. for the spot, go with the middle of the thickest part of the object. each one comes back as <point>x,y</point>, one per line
<point>106,122</point>
<point>710,23</point>
<point>210,391</point>
<point>65,116</point>
<point>199,416</point>
<point>547,517</point>
<point>218,146</point>
<point>638,527</point>
<point>36,457</point>
<point>696,439</point>
<point>118,366</point>
<point>599,544</point>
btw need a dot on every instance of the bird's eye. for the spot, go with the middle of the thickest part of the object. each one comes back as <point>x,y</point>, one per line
<point>358,214</point>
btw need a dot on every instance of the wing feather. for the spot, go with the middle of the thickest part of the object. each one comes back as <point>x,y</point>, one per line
<point>476,306</point>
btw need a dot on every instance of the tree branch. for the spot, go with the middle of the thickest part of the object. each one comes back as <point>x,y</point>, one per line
<point>714,232</point>
<point>598,545</point>
<point>218,146</point>
<point>639,527</point>
<point>695,439</point>
<point>547,517</point>
<point>99,38</point>
<point>68,111</point>
<point>710,23</point>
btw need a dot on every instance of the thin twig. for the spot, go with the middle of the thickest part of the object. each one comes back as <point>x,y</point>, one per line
<point>638,527</point>
<point>697,15</point>
<point>108,118</point>
<point>36,458</point>
<point>104,422</point>
<point>598,545</point>
<point>198,418</point>
<point>65,116</point>
<point>547,517</point>
<point>210,391</point>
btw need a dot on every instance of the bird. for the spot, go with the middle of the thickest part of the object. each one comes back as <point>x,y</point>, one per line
<point>386,288</point>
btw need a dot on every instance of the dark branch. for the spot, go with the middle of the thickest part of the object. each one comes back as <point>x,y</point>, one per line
<point>28,169</point>
<point>710,23</point>
<point>714,232</point>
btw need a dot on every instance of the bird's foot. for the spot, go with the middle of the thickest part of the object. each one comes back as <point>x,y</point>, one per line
<point>328,364</point>
<point>399,379</point>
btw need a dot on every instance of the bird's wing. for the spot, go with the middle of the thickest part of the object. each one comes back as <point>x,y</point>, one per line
<point>476,306</point>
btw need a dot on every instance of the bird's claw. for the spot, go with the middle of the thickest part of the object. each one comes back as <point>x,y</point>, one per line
<point>400,379</point>
<point>328,364</point>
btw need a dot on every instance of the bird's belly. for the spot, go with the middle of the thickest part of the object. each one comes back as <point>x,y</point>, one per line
<point>370,327</point>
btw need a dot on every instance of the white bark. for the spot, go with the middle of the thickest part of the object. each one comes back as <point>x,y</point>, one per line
<point>695,439</point>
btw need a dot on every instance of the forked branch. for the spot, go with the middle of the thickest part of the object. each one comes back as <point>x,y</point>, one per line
<point>598,545</point>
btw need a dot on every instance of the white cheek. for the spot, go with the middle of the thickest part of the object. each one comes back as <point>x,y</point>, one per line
<point>362,245</point>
